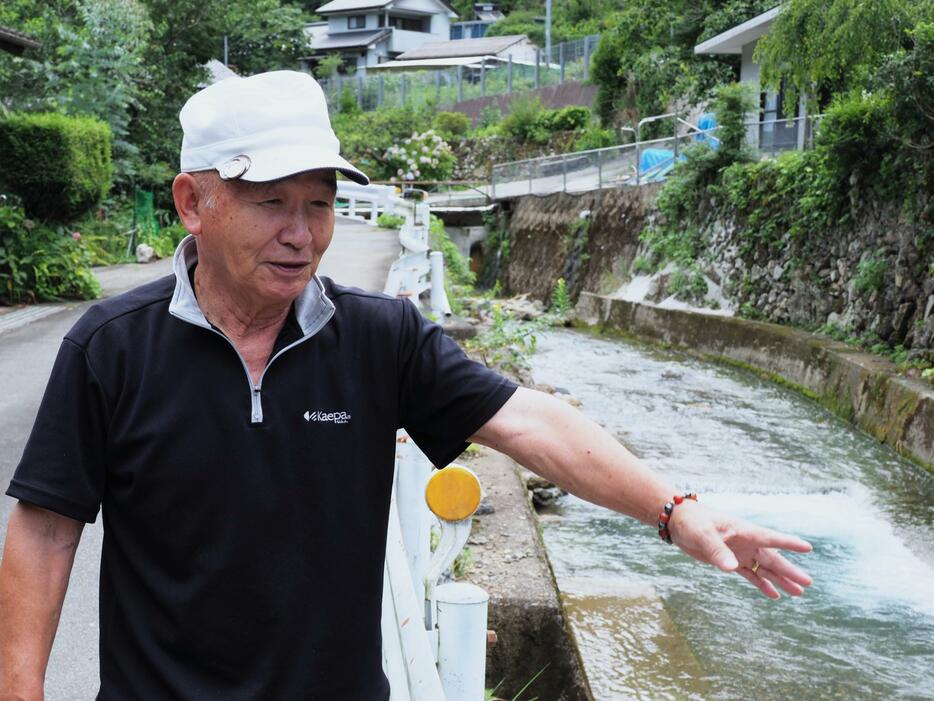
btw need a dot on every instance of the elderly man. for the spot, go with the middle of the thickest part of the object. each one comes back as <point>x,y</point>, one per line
<point>235,425</point>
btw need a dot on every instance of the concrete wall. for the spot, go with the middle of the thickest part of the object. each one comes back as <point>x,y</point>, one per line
<point>554,97</point>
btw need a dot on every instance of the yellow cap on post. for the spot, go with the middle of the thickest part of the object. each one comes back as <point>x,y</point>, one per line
<point>453,493</point>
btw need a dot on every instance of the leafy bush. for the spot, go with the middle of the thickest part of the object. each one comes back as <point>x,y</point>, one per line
<point>524,122</point>
<point>595,137</point>
<point>570,118</point>
<point>420,157</point>
<point>39,263</point>
<point>365,137</point>
<point>457,268</point>
<point>390,221</point>
<point>62,164</point>
<point>452,123</point>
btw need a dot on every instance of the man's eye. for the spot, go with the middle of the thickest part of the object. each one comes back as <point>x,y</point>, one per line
<point>321,203</point>
<point>273,201</point>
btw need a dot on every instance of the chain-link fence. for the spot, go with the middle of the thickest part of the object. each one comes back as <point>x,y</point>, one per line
<point>446,87</point>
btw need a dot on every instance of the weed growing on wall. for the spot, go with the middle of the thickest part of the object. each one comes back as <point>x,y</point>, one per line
<point>870,272</point>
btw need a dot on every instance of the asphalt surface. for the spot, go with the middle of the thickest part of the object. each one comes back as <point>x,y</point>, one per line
<point>359,255</point>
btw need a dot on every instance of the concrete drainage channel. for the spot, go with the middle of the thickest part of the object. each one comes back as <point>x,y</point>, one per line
<point>509,561</point>
<point>857,386</point>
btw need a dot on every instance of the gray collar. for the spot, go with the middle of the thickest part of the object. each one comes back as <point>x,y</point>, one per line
<point>313,309</point>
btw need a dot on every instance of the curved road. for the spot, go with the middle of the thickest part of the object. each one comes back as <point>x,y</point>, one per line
<point>359,255</point>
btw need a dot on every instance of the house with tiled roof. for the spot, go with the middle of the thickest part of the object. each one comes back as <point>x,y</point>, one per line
<point>368,32</point>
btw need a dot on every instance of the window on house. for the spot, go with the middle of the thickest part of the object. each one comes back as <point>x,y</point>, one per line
<point>409,24</point>
<point>381,22</point>
<point>356,22</point>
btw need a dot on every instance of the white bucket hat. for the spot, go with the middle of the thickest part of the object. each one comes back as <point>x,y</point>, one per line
<point>264,127</point>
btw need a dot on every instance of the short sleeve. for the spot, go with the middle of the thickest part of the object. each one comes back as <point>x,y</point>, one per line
<point>62,468</point>
<point>445,397</point>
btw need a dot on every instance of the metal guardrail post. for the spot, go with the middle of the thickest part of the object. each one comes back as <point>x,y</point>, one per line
<point>538,68</point>
<point>436,259</point>
<point>438,86</point>
<point>360,90</point>
<point>638,152</point>
<point>460,83</point>
<point>599,169</point>
<point>561,62</point>
<point>402,89</point>
<point>509,75</point>
<point>379,91</point>
<point>483,77</point>
<point>493,183</point>
<point>586,57</point>
<point>564,173</point>
<point>530,177</point>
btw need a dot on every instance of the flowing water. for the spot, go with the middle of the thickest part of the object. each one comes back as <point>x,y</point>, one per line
<point>654,625</point>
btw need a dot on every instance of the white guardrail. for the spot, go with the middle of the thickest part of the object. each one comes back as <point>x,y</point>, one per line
<point>417,270</point>
<point>434,634</point>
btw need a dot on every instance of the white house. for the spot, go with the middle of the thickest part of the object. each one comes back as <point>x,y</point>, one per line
<point>774,132</point>
<point>369,32</point>
<point>488,51</point>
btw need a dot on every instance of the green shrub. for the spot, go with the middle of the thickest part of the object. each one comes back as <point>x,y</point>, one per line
<point>524,123</point>
<point>390,221</point>
<point>452,124</point>
<point>490,117</point>
<point>595,137</point>
<point>59,166</point>
<point>365,137</point>
<point>348,102</point>
<point>569,118</point>
<point>40,263</point>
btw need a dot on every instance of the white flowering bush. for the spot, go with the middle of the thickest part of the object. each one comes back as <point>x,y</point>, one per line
<point>424,156</point>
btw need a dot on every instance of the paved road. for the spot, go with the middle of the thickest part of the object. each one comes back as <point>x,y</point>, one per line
<point>359,255</point>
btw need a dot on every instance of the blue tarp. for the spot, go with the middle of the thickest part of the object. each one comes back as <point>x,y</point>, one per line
<point>652,157</point>
<point>706,122</point>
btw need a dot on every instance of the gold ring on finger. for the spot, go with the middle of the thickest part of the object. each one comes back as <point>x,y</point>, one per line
<point>755,567</point>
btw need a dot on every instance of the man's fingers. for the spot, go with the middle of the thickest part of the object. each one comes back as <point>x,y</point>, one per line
<point>767,538</point>
<point>780,565</point>
<point>761,583</point>
<point>792,588</point>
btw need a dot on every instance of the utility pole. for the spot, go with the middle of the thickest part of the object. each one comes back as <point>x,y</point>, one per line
<point>548,31</point>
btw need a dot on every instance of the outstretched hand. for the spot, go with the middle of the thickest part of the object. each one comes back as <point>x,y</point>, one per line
<point>734,545</point>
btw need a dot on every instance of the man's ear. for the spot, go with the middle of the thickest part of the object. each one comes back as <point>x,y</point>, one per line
<point>189,202</point>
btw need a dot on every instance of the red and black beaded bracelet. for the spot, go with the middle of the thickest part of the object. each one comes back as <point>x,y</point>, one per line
<point>665,516</point>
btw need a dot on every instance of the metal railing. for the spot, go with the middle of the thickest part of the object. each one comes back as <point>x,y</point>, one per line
<point>417,269</point>
<point>636,163</point>
<point>444,88</point>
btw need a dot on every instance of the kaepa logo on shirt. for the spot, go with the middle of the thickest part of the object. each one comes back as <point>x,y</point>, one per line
<point>328,417</point>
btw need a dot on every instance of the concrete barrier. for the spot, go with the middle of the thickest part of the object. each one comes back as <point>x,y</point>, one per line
<point>858,386</point>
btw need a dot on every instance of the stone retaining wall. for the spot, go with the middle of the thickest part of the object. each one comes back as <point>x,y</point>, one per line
<point>861,387</point>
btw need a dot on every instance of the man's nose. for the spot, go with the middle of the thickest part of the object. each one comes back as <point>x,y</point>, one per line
<point>296,231</point>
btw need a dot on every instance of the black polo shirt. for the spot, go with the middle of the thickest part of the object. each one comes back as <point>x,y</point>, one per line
<point>245,528</point>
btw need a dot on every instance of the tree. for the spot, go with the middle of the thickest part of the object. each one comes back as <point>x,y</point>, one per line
<point>820,47</point>
<point>645,60</point>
